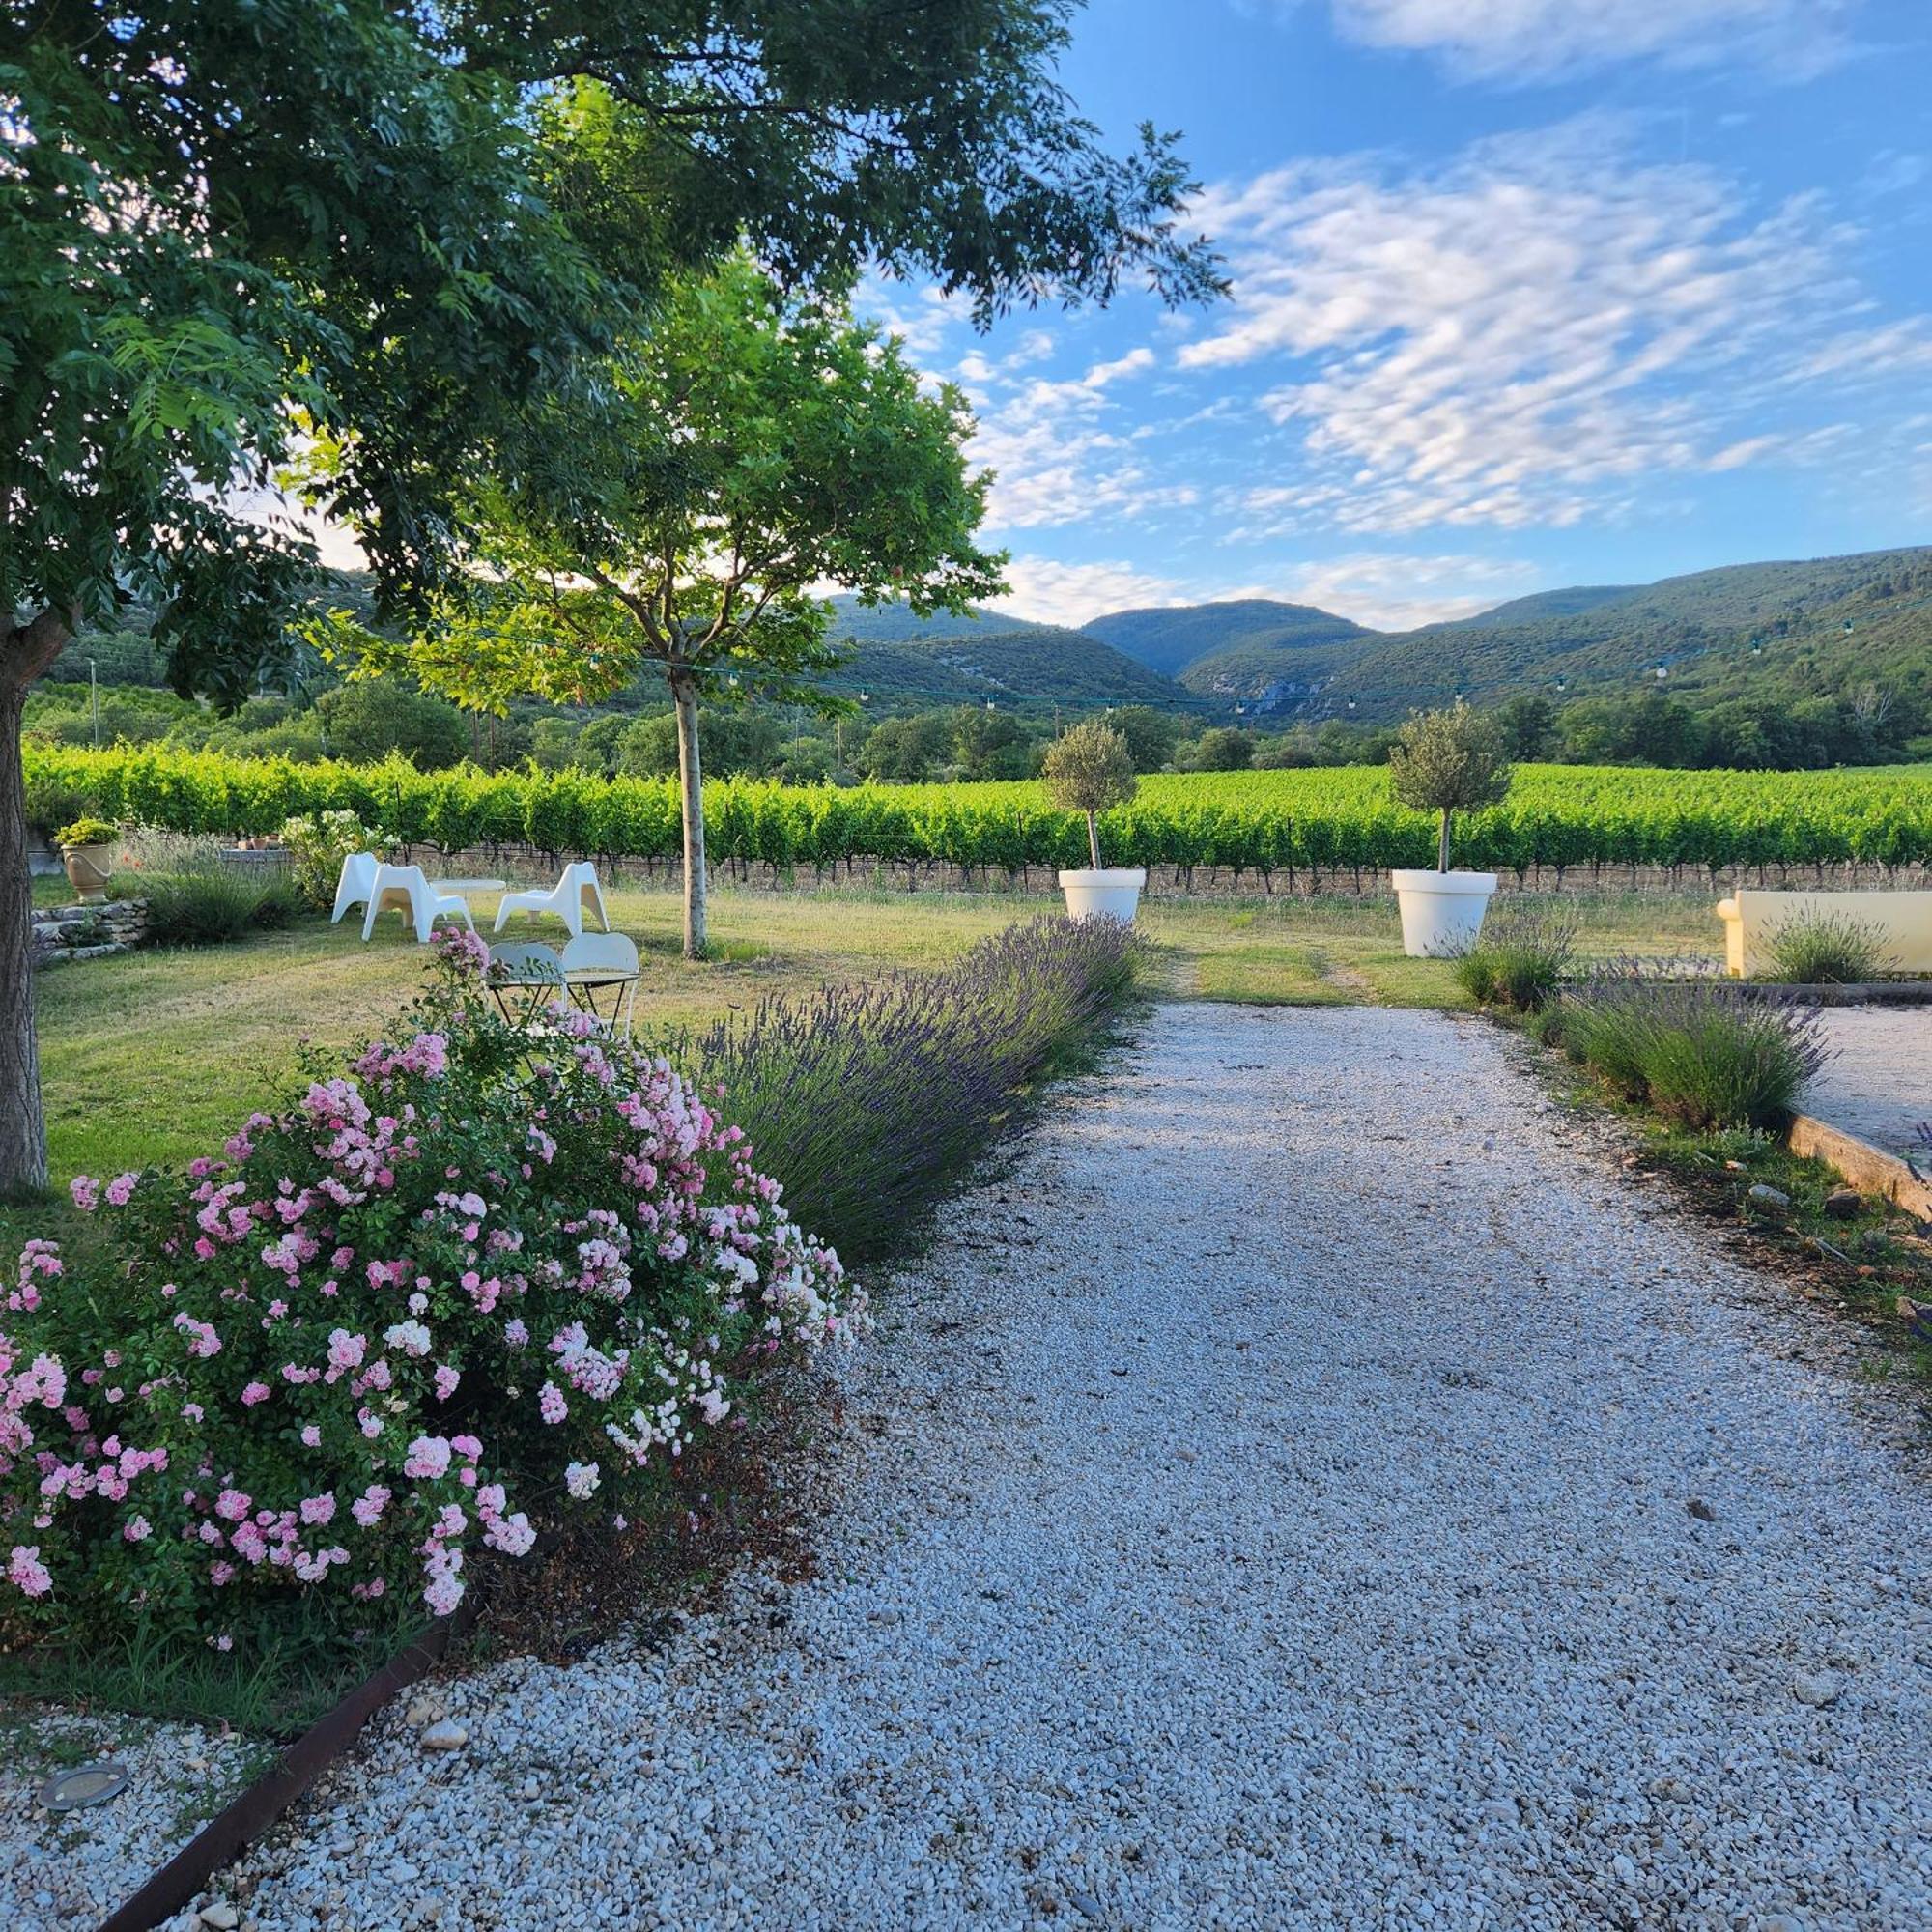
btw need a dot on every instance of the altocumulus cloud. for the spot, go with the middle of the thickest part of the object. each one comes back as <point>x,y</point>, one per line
<point>1518,337</point>
<point>1517,41</point>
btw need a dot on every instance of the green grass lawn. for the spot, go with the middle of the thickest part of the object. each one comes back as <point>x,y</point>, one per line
<point>157,1056</point>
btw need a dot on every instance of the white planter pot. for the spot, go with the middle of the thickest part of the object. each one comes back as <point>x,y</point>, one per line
<point>1111,893</point>
<point>1441,912</point>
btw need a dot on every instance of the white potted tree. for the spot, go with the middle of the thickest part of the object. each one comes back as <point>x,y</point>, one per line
<point>1087,770</point>
<point>1446,762</point>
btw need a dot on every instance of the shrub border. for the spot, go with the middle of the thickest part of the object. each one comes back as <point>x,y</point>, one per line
<point>245,1817</point>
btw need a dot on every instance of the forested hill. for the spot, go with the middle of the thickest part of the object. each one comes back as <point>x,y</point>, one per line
<point>905,661</point>
<point>1775,631</point>
<point>1168,640</point>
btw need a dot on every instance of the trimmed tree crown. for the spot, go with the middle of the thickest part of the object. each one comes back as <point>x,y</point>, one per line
<point>1089,769</point>
<point>1453,760</point>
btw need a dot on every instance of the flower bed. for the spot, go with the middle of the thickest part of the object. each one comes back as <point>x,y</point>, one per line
<point>442,1301</point>
<point>872,1099</point>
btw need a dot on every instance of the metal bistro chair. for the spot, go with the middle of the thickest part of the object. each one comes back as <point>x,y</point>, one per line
<point>594,960</point>
<point>526,982</point>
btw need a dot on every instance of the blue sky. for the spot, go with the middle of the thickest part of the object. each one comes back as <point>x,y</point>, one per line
<point>1526,292</point>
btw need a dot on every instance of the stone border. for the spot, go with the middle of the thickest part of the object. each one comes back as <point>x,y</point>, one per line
<point>1853,993</point>
<point>245,1817</point>
<point>1867,1168</point>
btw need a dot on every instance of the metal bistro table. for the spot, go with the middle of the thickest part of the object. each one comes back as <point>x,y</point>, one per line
<point>585,982</point>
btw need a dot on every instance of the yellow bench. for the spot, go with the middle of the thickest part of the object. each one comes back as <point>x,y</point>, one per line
<point>1753,918</point>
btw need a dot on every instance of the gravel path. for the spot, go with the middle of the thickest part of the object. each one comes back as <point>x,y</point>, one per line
<point>1880,1085</point>
<point>1313,1488</point>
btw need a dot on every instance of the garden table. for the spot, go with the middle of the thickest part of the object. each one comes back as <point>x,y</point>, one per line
<point>585,982</point>
<point>463,888</point>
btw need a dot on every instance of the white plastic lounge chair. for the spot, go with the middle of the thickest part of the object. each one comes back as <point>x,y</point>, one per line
<point>405,890</point>
<point>357,883</point>
<point>575,893</point>
<point>595,960</point>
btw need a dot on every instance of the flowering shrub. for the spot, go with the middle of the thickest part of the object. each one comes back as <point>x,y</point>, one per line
<point>317,841</point>
<point>442,1300</point>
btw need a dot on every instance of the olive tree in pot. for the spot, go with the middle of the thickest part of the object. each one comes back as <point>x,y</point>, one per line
<point>1446,762</point>
<point>1087,770</point>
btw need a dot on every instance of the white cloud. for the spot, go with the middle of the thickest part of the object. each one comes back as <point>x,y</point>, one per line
<point>1895,172</point>
<point>1537,39</point>
<point>1522,336</point>
<point>1855,355</point>
<point>1051,592</point>
<point>1391,592</point>
<point>1061,453</point>
<point>921,315</point>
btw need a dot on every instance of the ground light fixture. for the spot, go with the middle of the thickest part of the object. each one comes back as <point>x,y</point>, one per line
<point>85,1784</point>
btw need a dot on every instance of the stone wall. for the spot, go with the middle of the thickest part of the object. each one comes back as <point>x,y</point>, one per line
<point>88,932</point>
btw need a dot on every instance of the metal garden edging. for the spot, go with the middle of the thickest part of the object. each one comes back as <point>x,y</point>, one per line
<point>248,1816</point>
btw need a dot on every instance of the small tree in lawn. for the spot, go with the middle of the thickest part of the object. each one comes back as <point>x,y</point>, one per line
<point>1450,761</point>
<point>1088,770</point>
<point>754,447</point>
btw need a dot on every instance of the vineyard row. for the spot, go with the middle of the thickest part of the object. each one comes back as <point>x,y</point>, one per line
<point>1324,821</point>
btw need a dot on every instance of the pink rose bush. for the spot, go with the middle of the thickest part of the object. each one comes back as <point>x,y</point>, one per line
<point>439,1302</point>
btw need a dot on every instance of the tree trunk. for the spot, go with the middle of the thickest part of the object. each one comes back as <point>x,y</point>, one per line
<point>25,653</point>
<point>1094,841</point>
<point>1442,848</point>
<point>691,783</point>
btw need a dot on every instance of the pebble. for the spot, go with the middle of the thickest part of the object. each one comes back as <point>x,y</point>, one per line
<point>1768,1195</point>
<point>1817,1688</point>
<point>1420,1639</point>
<point>219,1917</point>
<point>445,1735</point>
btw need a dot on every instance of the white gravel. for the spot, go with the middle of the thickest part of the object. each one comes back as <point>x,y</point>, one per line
<point>1271,1506</point>
<point>71,1870</point>
<point>1878,1084</point>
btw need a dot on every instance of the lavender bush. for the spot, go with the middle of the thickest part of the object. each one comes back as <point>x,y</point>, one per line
<point>869,1099</point>
<point>1705,1053</point>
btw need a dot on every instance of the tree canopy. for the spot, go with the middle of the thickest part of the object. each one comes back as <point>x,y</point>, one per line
<point>399,240</point>
<point>753,447</point>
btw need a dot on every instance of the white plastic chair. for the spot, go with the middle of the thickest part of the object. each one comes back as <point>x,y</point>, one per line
<point>606,960</point>
<point>405,890</point>
<point>357,883</point>
<point>575,893</point>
